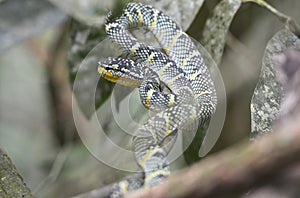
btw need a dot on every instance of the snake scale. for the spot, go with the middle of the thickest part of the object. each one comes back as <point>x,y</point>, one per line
<point>178,68</point>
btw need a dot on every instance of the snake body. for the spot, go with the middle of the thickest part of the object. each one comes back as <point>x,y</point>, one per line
<point>180,69</point>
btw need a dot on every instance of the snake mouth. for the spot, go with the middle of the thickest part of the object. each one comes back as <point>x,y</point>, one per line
<point>108,75</point>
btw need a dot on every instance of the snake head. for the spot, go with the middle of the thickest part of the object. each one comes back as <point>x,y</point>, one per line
<point>121,71</point>
<point>109,69</point>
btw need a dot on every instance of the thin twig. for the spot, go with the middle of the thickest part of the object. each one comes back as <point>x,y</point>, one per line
<point>290,23</point>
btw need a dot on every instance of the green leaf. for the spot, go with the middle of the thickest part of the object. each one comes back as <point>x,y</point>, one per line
<point>217,26</point>
<point>265,103</point>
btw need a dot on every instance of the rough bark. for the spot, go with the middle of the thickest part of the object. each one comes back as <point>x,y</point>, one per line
<point>11,182</point>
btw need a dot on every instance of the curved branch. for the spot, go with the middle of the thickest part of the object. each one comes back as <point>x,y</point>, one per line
<point>233,170</point>
<point>290,23</point>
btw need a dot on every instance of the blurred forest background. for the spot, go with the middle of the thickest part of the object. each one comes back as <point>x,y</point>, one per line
<point>37,129</point>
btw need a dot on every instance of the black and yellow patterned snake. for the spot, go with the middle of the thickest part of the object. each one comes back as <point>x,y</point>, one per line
<point>179,69</point>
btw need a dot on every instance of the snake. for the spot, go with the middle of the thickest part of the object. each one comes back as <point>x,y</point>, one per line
<point>173,82</point>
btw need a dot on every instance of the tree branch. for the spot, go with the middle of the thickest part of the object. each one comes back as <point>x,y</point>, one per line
<point>11,182</point>
<point>236,169</point>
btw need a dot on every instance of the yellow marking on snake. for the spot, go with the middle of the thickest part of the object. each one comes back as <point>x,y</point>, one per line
<point>170,83</point>
<point>107,74</point>
<point>140,20</point>
<point>148,98</point>
<point>153,174</point>
<point>166,50</point>
<point>153,23</point>
<point>120,80</point>
<point>124,186</point>
<point>168,130</point>
<point>163,69</point>
<point>129,17</point>
<point>150,58</point>
<point>146,156</point>
<point>171,101</point>
<point>191,55</point>
<point>202,93</point>
<point>134,49</point>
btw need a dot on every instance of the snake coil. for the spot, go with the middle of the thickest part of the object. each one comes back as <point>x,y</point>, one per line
<point>180,69</point>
